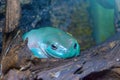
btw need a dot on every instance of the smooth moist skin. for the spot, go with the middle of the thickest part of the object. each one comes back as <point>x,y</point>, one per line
<point>51,42</point>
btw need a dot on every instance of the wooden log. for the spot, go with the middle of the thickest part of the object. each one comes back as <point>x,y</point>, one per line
<point>11,23</point>
<point>102,58</point>
<point>97,59</point>
<point>12,15</point>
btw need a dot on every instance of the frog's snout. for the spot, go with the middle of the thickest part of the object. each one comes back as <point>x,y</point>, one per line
<point>75,49</point>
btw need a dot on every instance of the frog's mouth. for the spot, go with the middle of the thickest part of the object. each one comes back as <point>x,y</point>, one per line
<point>46,51</point>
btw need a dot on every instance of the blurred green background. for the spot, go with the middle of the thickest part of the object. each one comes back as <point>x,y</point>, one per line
<point>91,22</point>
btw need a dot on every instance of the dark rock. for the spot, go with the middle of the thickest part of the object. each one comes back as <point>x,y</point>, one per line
<point>35,15</point>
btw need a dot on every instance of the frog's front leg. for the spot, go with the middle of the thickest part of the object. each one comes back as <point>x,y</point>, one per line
<point>25,67</point>
<point>37,52</point>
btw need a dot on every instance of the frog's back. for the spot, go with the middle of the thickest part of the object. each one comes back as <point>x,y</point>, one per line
<point>34,34</point>
<point>40,34</point>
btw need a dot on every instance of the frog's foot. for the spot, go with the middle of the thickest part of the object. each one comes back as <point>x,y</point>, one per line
<point>33,57</point>
<point>25,67</point>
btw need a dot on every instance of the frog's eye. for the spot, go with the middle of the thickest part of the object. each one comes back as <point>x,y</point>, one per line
<point>53,47</point>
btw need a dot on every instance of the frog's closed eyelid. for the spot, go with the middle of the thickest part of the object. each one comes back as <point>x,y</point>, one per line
<point>54,47</point>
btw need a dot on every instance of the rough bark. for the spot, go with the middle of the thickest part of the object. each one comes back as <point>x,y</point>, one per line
<point>102,60</point>
<point>12,15</point>
<point>11,23</point>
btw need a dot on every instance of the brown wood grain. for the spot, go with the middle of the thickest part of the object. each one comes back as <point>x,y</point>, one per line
<point>12,15</point>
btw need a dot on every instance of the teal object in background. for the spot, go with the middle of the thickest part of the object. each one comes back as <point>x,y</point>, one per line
<point>103,19</point>
<point>109,4</point>
<point>51,42</point>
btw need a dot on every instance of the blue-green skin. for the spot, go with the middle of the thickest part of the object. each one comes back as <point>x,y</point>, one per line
<point>52,42</point>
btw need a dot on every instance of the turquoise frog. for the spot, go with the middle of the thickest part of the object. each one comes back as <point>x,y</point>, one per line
<point>49,42</point>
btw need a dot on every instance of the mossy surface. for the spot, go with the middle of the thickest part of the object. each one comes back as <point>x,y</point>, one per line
<point>73,17</point>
